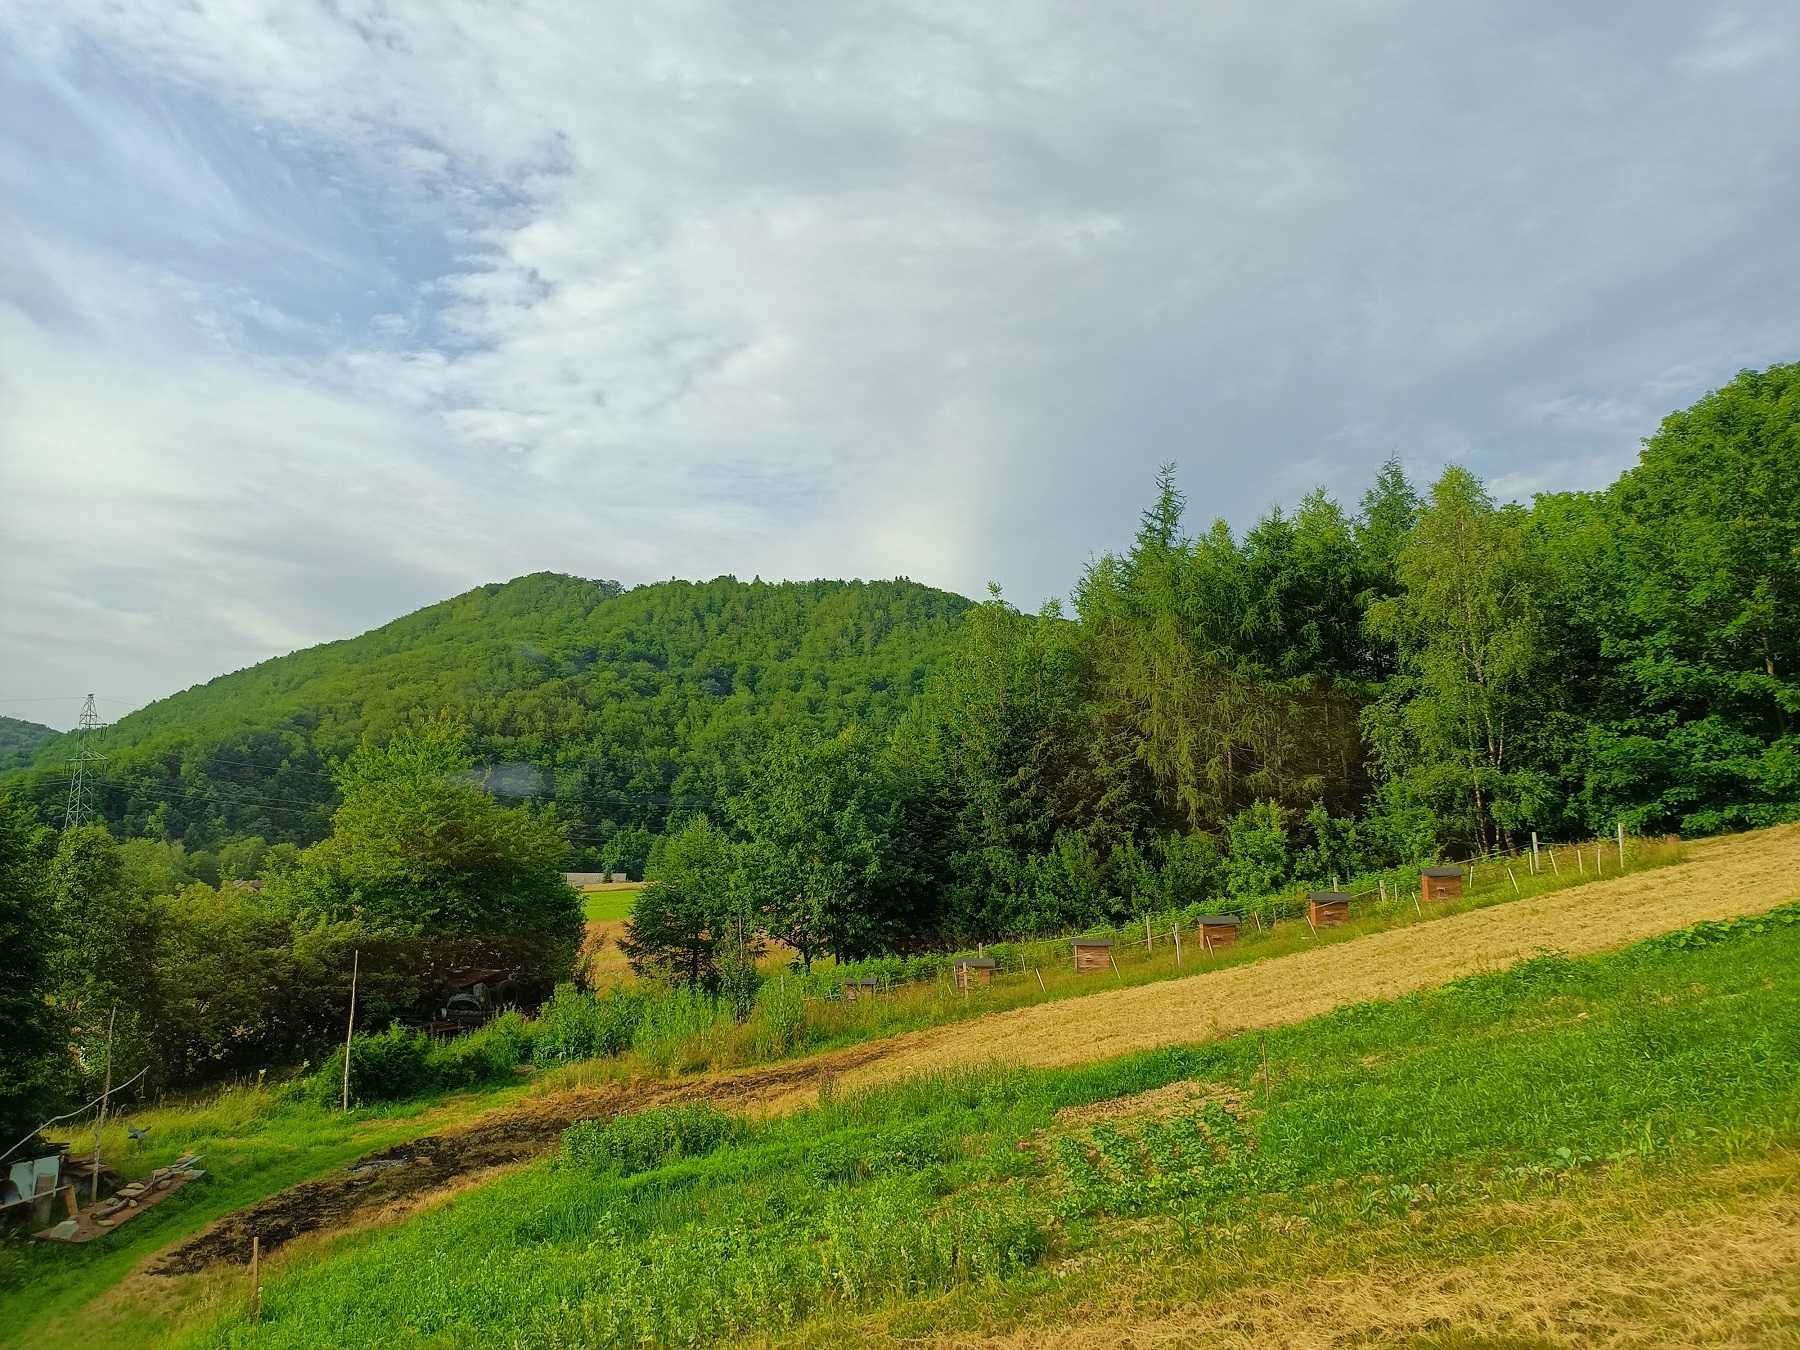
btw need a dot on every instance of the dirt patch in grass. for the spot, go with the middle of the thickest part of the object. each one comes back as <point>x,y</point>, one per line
<point>1163,1103</point>
<point>1725,878</point>
<point>398,1179</point>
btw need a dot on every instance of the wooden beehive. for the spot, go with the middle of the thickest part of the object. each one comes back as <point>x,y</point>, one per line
<point>1440,883</point>
<point>977,971</point>
<point>1219,930</point>
<point>855,989</point>
<point>1092,954</point>
<point>1329,908</point>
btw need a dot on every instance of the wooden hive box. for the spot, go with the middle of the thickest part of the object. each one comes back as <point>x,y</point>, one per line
<point>1329,908</point>
<point>977,971</point>
<point>1440,883</point>
<point>1219,930</point>
<point>1092,954</point>
<point>855,989</point>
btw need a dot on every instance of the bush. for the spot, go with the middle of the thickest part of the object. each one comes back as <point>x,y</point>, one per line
<point>574,1026</point>
<point>638,1142</point>
<point>491,1054</point>
<point>388,1066</point>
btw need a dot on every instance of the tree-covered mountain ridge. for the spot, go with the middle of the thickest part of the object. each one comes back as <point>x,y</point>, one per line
<point>20,741</point>
<point>621,704</point>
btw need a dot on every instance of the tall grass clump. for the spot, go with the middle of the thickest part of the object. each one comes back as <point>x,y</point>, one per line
<point>676,1030</point>
<point>574,1025</point>
<point>634,1143</point>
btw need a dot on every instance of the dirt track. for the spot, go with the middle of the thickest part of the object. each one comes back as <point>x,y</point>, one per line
<point>1727,877</point>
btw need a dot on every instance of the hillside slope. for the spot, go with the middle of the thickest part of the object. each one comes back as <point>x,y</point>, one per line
<point>1728,877</point>
<point>21,742</point>
<point>622,704</point>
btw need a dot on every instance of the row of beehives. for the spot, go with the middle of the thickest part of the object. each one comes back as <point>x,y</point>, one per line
<point>1325,909</point>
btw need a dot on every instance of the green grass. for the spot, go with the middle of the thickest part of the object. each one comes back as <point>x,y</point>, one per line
<point>256,1144</point>
<point>1670,1054</point>
<point>253,1142</point>
<point>601,906</point>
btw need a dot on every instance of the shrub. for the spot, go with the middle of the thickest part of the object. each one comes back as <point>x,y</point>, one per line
<point>487,1055</point>
<point>575,1026</point>
<point>388,1066</point>
<point>642,1140</point>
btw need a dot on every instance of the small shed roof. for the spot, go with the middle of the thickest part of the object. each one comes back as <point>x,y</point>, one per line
<point>1093,942</point>
<point>1440,871</point>
<point>1330,897</point>
<point>978,962</point>
<point>1212,920</point>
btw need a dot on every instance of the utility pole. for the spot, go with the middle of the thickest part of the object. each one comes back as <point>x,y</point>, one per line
<point>105,1094</point>
<point>81,778</point>
<point>350,1030</point>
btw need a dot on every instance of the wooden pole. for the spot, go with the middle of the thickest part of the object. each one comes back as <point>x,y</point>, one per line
<point>1515,881</point>
<point>1418,907</point>
<point>1040,975</point>
<point>1115,963</point>
<point>1555,871</point>
<point>1176,930</point>
<point>1580,866</point>
<point>350,1027</point>
<point>1621,846</point>
<point>256,1278</point>
<point>1535,865</point>
<point>1146,935</point>
<point>1309,923</point>
<point>100,1120</point>
<point>1265,1069</point>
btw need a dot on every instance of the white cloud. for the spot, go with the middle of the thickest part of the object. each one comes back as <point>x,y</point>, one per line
<point>434,291</point>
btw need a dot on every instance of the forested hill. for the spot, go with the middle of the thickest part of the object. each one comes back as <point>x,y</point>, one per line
<point>21,741</point>
<point>620,703</point>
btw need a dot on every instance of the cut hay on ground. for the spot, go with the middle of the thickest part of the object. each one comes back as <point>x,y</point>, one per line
<point>1744,874</point>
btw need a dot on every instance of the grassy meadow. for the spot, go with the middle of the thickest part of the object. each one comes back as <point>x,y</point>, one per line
<point>994,1198</point>
<point>609,902</point>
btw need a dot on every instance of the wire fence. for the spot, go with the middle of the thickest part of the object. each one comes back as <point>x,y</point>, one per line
<point>1538,867</point>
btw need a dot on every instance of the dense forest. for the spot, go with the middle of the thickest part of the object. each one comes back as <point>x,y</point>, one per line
<point>620,706</point>
<point>21,742</point>
<point>855,768</point>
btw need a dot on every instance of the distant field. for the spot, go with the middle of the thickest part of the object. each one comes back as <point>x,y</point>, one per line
<point>609,900</point>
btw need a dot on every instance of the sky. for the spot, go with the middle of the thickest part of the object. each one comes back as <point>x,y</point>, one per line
<point>315,313</point>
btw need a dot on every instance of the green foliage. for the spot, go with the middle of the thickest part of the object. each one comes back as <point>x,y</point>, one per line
<point>816,819</point>
<point>33,1068</point>
<point>642,1140</point>
<point>627,707</point>
<point>21,742</point>
<point>688,910</point>
<point>575,1025</point>
<point>418,847</point>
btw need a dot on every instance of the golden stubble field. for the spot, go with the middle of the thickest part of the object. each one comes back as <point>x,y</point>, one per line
<point>1723,878</point>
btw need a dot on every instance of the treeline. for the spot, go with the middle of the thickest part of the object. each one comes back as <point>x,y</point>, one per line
<point>116,948</point>
<point>1333,692</point>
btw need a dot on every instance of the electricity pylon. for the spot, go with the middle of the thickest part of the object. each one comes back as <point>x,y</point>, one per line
<point>81,777</point>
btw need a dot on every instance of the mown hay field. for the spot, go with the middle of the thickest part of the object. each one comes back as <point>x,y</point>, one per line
<point>1723,878</point>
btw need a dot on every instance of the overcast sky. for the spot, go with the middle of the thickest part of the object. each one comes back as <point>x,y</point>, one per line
<point>312,314</point>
